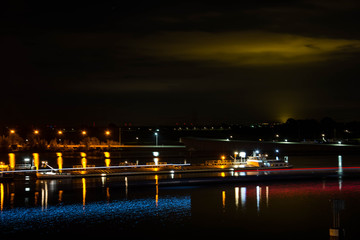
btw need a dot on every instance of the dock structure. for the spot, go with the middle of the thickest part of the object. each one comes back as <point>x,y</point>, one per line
<point>118,146</point>
<point>205,145</point>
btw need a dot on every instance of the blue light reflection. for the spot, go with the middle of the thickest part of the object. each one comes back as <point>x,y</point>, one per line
<point>120,211</point>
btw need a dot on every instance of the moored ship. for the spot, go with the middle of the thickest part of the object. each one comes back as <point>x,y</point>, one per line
<point>256,161</point>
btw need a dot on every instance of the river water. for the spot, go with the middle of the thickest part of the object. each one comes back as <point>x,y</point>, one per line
<point>113,207</point>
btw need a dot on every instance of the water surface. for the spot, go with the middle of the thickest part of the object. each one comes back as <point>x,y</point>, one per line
<point>103,206</point>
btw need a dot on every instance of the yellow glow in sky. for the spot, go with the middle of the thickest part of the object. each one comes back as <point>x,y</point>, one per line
<point>246,48</point>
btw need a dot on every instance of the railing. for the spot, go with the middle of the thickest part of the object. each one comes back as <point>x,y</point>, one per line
<point>219,162</point>
<point>81,166</point>
<point>23,166</point>
<point>153,163</point>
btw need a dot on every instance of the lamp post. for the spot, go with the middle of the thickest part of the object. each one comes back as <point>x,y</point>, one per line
<point>60,133</point>
<point>156,138</point>
<point>107,134</point>
<point>37,137</point>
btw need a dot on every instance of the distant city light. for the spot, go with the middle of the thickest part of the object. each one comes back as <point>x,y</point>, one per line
<point>36,131</point>
<point>83,132</point>
<point>107,132</point>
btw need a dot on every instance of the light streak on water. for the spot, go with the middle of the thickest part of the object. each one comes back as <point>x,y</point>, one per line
<point>258,197</point>
<point>243,197</point>
<point>237,197</point>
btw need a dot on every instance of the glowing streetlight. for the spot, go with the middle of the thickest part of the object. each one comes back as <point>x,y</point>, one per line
<point>60,133</point>
<point>107,134</point>
<point>156,138</point>
<point>83,133</point>
<point>12,131</point>
<point>36,132</point>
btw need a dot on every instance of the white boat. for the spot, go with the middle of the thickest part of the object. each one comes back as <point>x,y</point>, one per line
<point>264,163</point>
<point>256,161</point>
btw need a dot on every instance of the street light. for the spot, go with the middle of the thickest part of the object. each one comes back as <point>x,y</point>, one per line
<point>156,138</point>
<point>12,131</point>
<point>36,132</point>
<point>107,134</point>
<point>60,134</point>
<point>83,133</point>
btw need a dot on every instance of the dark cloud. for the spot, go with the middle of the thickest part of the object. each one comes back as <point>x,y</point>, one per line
<point>149,62</point>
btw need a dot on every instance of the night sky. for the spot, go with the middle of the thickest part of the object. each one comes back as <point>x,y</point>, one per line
<point>147,62</point>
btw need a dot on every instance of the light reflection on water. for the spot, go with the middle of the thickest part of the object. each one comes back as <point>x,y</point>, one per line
<point>289,210</point>
<point>65,160</point>
<point>92,205</point>
<point>47,218</point>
